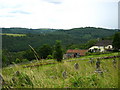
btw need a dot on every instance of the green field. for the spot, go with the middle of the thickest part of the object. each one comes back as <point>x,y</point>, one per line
<point>15,35</point>
<point>51,76</point>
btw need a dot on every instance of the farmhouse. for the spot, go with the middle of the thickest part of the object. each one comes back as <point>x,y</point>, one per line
<point>71,53</point>
<point>102,46</point>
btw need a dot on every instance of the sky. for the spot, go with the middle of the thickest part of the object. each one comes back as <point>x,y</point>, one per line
<point>59,14</point>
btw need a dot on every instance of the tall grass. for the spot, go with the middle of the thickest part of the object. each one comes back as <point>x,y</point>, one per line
<point>50,76</point>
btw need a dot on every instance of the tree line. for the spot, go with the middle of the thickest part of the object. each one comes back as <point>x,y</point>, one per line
<point>48,51</point>
<point>44,52</point>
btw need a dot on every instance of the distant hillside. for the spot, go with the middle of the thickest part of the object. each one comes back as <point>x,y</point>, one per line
<point>88,32</point>
<point>26,30</point>
<point>38,37</point>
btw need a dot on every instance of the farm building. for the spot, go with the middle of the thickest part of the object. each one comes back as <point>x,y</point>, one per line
<point>102,46</point>
<point>71,53</point>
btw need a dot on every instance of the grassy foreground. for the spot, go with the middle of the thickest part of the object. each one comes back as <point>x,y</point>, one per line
<point>53,76</point>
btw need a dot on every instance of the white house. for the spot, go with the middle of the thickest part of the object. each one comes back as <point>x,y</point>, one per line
<point>102,46</point>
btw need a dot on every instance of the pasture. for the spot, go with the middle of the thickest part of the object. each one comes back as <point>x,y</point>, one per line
<point>11,34</point>
<point>64,74</point>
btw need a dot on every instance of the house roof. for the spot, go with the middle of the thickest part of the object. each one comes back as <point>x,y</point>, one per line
<point>82,52</point>
<point>104,43</point>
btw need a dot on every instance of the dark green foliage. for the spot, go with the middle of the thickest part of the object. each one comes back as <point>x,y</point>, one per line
<point>82,46</point>
<point>29,54</point>
<point>27,31</point>
<point>116,41</point>
<point>15,49</point>
<point>4,60</point>
<point>44,51</point>
<point>17,60</point>
<point>12,57</point>
<point>58,53</point>
<point>90,43</point>
<point>49,57</point>
<point>7,57</point>
<point>35,38</point>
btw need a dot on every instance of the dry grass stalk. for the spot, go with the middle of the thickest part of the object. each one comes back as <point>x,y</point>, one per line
<point>35,53</point>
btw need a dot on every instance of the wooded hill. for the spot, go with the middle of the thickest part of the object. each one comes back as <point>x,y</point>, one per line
<point>38,37</point>
<point>26,30</point>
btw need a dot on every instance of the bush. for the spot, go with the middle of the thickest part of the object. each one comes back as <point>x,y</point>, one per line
<point>44,51</point>
<point>25,60</point>
<point>17,60</point>
<point>49,57</point>
<point>29,55</point>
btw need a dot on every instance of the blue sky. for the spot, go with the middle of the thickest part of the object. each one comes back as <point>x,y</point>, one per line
<point>59,14</point>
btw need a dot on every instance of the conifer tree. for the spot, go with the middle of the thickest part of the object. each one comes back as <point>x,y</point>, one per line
<point>58,54</point>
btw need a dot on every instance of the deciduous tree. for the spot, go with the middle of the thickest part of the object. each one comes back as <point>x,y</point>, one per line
<point>116,41</point>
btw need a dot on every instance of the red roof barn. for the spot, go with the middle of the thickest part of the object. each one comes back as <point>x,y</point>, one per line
<point>75,51</point>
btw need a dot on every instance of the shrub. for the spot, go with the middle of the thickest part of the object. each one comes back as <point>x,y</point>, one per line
<point>44,51</point>
<point>49,57</point>
<point>17,60</point>
<point>25,60</point>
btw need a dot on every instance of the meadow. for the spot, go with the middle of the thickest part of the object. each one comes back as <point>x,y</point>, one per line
<point>14,35</point>
<point>64,74</point>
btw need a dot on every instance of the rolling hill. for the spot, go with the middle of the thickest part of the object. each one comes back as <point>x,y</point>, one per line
<point>38,37</point>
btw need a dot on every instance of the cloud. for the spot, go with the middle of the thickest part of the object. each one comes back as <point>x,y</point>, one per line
<point>58,13</point>
<point>54,1</point>
<point>6,16</point>
<point>108,0</point>
<point>20,12</point>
